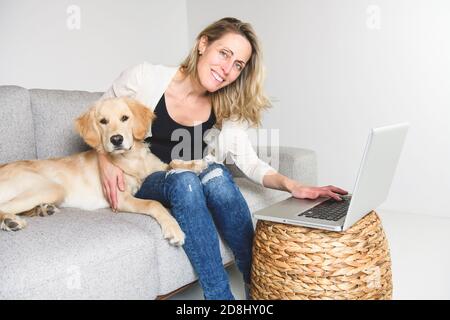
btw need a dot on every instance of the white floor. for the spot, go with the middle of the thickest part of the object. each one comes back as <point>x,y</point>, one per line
<point>420,252</point>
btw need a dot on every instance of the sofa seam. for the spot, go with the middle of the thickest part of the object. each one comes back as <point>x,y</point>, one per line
<point>33,124</point>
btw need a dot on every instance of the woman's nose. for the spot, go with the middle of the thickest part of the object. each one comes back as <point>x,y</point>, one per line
<point>226,67</point>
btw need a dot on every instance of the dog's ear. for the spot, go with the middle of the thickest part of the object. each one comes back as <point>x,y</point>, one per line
<point>87,128</point>
<point>143,118</point>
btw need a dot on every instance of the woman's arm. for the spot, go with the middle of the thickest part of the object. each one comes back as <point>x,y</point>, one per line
<point>275,180</point>
<point>111,178</point>
<point>233,140</point>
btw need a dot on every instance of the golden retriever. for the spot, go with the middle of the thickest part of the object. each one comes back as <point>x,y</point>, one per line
<point>115,127</point>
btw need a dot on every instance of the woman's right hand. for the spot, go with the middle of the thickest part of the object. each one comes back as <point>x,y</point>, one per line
<point>112,179</point>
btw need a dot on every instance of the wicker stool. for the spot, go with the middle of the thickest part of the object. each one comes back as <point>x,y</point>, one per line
<point>291,262</point>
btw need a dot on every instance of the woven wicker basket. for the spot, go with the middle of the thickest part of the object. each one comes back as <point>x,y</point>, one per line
<point>291,262</point>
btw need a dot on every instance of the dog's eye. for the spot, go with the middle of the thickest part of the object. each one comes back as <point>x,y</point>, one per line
<point>124,118</point>
<point>104,121</point>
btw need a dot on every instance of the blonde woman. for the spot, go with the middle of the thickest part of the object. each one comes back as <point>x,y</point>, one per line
<point>217,90</point>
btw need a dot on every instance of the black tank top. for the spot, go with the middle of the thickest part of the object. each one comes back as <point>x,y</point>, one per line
<point>171,140</point>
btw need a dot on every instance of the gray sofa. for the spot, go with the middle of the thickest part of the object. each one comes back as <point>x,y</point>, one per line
<point>79,254</point>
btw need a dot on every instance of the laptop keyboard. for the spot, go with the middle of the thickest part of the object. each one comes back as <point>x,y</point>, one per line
<point>330,209</point>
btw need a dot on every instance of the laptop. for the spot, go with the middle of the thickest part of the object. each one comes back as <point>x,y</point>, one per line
<point>371,188</point>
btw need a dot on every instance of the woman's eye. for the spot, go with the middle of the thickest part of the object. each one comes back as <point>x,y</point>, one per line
<point>239,67</point>
<point>124,118</point>
<point>223,53</point>
<point>104,121</point>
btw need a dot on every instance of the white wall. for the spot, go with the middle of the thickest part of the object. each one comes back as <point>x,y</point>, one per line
<point>335,76</point>
<point>39,50</point>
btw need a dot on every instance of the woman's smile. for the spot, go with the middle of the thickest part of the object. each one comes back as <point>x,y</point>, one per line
<point>217,77</point>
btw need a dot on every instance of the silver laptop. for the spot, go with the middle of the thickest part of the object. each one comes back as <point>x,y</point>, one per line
<point>372,185</point>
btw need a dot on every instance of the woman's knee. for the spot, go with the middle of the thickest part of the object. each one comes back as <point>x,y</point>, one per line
<point>183,183</point>
<point>216,173</point>
<point>187,200</point>
<point>220,189</point>
<point>215,170</point>
<point>218,177</point>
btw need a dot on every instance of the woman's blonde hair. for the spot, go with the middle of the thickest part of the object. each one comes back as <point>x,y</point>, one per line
<point>244,99</point>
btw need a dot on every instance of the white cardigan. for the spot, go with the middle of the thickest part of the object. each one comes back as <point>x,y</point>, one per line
<point>147,83</point>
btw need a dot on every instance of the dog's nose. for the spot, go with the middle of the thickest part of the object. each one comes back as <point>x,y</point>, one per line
<point>116,140</point>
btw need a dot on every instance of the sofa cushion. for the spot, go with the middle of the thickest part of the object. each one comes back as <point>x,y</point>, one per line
<point>92,255</point>
<point>54,112</point>
<point>81,255</point>
<point>16,125</point>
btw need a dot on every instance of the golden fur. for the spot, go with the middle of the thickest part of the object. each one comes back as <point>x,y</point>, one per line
<point>38,187</point>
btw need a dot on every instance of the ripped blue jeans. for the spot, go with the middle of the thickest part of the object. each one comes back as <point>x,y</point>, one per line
<point>201,204</point>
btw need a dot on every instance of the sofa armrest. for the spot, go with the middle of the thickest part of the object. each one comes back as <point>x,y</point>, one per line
<point>296,163</point>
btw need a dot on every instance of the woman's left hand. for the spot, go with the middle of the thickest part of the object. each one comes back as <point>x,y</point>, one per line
<point>305,192</point>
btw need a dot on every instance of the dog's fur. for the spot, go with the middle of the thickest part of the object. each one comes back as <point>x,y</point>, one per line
<point>38,187</point>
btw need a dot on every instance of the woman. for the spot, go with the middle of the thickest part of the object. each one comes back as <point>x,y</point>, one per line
<point>220,85</point>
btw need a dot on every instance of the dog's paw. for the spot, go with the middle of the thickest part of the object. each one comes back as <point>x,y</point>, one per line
<point>196,166</point>
<point>46,209</point>
<point>199,165</point>
<point>11,222</point>
<point>177,164</point>
<point>173,233</point>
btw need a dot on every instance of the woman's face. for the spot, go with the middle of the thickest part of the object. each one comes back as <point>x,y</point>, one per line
<point>222,61</point>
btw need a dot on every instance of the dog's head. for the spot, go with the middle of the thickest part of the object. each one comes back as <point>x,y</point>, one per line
<point>112,125</point>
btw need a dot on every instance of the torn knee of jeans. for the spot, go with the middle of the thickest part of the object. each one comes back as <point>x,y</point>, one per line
<point>172,171</point>
<point>218,172</point>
